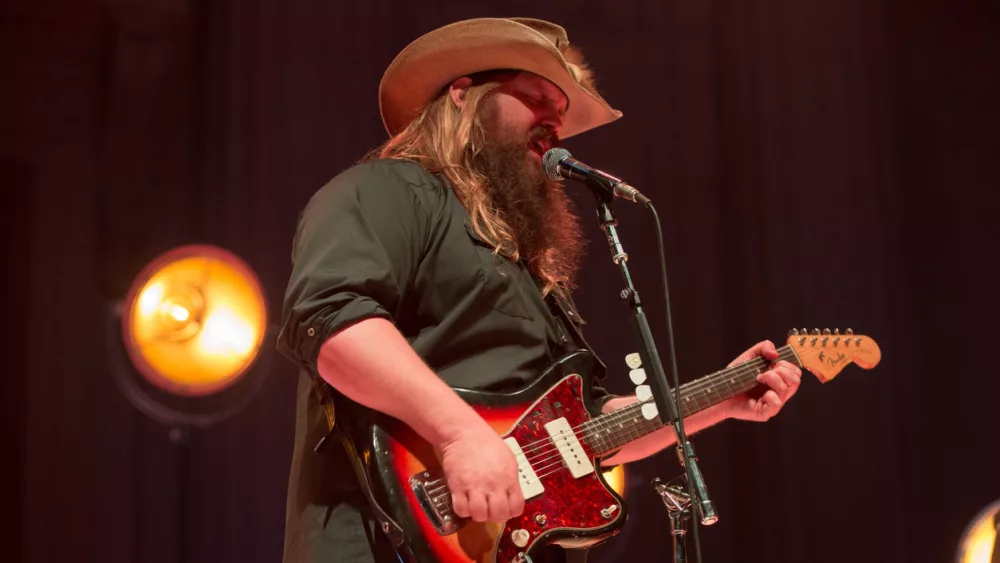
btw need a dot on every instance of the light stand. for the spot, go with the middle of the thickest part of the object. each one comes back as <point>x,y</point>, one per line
<point>180,417</point>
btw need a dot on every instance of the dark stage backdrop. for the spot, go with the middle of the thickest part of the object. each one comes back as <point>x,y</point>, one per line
<point>828,163</point>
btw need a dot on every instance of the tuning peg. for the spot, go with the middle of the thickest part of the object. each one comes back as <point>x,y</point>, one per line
<point>813,340</point>
<point>836,340</point>
<point>836,331</point>
<point>858,341</point>
<point>826,331</point>
<point>816,331</point>
<point>649,411</point>
<point>633,360</point>
<point>793,332</point>
<point>638,376</point>
<point>803,331</point>
<point>825,338</point>
<point>849,332</point>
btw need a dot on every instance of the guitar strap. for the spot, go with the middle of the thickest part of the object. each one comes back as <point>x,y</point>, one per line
<point>568,315</point>
<point>325,395</point>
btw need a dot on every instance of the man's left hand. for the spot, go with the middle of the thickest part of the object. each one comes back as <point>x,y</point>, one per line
<point>782,381</point>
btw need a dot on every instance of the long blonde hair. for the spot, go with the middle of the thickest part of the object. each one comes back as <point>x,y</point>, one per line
<point>445,139</point>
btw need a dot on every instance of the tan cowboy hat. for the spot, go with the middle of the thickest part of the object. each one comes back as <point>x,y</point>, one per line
<point>426,66</point>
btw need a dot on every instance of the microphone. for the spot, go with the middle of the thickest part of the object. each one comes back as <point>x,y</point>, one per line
<point>559,164</point>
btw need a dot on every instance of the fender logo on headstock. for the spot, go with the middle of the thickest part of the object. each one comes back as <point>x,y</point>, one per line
<point>826,352</point>
<point>832,361</point>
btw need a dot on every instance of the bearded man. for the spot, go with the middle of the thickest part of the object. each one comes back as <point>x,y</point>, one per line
<point>446,260</point>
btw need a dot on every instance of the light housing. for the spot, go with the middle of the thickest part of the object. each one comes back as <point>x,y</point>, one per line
<point>194,320</point>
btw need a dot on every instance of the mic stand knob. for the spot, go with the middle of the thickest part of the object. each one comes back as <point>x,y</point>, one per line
<point>678,505</point>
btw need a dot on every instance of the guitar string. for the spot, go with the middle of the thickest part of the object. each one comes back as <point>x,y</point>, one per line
<point>689,389</point>
<point>437,499</point>
<point>621,415</point>
<point>588,429</point>
<point>552,457</point>
<point>447,493</point>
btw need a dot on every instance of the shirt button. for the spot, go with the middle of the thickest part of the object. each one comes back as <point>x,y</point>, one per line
<point>311,331</point>
<point>564,339</point>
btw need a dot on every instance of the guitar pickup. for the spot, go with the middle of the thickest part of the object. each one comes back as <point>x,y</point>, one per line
<point>569,448</point>
<point>531,485</point>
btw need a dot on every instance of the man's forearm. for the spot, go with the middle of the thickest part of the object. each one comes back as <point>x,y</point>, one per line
<point>652,443</point>
<point>371,363</point>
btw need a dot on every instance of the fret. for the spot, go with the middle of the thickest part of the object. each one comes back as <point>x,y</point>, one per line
<point>614,433</point>
<point>613,430</point>
<point>623,428</point>
<point>593,437</point>
<point>623,432</point>
<point>605,432</point>
<point>608,435</point>
<point>727,381</point>
<point>703,400</point>
<point>595,428</point>
<point>697,405</point>
<point>634,430</point>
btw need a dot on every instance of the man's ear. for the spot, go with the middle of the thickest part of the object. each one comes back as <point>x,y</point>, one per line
<point>458,89</point>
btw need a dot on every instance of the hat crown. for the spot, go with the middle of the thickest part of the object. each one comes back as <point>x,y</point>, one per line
<point>431,62</point>
<point>556,34</point>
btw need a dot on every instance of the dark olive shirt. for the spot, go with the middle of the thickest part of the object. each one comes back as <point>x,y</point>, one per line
<point>388,239</point>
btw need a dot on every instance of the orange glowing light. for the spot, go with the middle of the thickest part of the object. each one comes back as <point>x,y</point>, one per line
<point>194,320</point>
<point>980,538</point>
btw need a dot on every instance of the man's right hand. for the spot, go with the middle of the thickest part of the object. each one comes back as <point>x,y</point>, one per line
<point>482,475</point>
<point>371,363</point>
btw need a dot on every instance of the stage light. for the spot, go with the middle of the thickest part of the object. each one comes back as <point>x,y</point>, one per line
<point>194,320</point>
<point>187,345</point>
<point>979,540</point>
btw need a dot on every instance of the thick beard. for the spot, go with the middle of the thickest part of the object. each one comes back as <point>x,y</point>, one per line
<point>546,228</point>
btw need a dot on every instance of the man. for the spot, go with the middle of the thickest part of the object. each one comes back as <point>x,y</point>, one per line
<point>447,260</point>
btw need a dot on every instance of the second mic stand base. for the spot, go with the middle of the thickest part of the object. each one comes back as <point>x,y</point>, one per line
<point>678,505</point>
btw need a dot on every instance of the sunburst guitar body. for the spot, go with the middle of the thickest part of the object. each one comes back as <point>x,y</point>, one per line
<point>558,438</point>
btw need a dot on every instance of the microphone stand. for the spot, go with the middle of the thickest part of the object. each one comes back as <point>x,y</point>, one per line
<point>662,394</point>
<point>678,505</point>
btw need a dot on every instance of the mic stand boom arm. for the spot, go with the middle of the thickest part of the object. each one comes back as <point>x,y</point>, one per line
<point>662,394</point>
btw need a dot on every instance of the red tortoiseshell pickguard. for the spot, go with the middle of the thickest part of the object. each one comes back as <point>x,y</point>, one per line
<point>568,504</point>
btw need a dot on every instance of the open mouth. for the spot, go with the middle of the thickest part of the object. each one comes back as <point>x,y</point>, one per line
<point>538,147</point>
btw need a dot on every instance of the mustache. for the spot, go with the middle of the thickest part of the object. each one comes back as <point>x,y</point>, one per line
<point>542,133</point>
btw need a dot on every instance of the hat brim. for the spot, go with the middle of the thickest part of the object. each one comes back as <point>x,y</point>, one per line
<point>424,68</point>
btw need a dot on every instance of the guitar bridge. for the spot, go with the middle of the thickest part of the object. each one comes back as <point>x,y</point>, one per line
<point>431,490</point>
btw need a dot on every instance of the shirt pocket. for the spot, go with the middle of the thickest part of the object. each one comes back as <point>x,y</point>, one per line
<point>504,281</point>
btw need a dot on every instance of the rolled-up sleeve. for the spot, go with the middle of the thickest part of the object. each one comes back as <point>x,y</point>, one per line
<point>357,247</point>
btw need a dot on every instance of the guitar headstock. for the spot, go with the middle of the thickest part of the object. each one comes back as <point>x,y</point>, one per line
<point>826,353</point>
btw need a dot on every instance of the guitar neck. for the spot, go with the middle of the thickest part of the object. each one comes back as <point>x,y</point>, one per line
<point>611,431</point>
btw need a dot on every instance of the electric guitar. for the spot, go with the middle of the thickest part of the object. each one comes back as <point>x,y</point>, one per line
<point>558,438</point>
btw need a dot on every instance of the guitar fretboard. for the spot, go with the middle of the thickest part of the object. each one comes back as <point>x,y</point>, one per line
<point>611,431</point>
